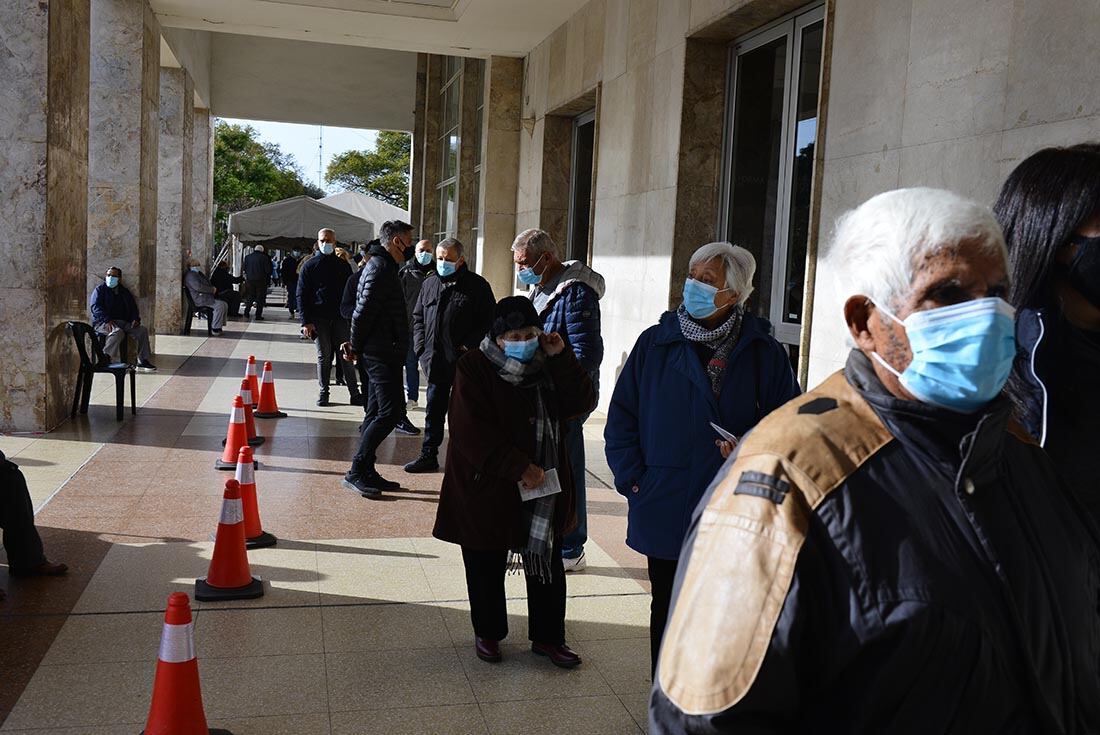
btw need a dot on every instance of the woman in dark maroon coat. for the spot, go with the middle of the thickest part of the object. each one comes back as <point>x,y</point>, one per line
<point>510,400</point>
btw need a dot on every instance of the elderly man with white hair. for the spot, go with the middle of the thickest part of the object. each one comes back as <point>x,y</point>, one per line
<point>203,293</point>
<point>891,552</point>
<point>710,366</point>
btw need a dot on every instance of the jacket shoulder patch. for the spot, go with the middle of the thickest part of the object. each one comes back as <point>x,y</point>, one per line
<point>747,541</point>
<point>818,406</point>
<point>762,486</point>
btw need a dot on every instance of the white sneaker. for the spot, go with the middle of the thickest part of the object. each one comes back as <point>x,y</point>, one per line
<point>410,404</point>
<point>575,565</point>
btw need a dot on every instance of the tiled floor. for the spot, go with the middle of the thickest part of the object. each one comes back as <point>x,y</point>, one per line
<point>364,626</point>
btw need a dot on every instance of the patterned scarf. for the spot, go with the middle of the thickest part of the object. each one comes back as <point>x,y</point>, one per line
<point>722,339</point>
<point>538,514</point>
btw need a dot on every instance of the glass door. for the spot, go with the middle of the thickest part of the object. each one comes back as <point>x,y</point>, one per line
<point>770,135</point>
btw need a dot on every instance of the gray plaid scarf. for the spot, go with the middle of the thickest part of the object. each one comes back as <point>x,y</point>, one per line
<point>722,339</point>
<point>538,514</point>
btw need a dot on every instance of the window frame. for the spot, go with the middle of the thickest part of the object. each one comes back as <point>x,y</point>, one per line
<point>792,27</point>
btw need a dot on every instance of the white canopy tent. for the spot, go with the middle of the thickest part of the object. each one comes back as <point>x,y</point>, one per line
<point>367,207</point>
<point>298,217</point>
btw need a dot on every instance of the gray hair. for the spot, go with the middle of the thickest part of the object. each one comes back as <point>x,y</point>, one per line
<point>392,229</point>
<point>453,243</point>
<point>535,242</point>
<point>877,244</point>
<point>739,264</point>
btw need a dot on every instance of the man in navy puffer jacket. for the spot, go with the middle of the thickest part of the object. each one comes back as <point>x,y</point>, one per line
<point>567,297</point>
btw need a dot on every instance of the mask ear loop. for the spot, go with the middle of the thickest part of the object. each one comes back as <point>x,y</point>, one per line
<point>875,355</point>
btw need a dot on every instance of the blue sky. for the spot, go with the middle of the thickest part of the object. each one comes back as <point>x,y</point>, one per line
<point>300,141</point>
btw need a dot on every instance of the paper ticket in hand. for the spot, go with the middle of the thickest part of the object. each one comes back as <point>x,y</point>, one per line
<point>723,433</point>
<point>550,486</point>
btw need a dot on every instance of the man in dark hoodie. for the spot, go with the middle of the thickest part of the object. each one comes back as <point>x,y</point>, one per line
<point>567,297</point>
<point>380,339</point>
<point>320,285</point>
<point>417,267</point>
<point>452,315</point>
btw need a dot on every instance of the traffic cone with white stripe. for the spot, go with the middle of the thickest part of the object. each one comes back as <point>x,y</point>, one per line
<point>236,436</point>
<point>177,708</point>
<point>250,426</point>
<point>229,577</point>
<point>255,537</point>
<point>269,407</point>
<point>250,376</point>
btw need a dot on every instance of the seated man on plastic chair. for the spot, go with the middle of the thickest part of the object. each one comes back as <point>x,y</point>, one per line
<point>21,540</point>
<point>115,314</point>
<point>203,293</point>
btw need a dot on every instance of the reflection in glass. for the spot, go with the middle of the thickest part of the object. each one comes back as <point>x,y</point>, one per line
<point>448,209</point>
<point>802,170</point>
<point>450,155</point>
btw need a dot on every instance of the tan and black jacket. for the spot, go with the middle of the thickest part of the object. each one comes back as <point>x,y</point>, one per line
<point>871,565</point>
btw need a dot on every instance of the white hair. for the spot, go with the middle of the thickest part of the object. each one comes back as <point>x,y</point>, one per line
<point>535,242</point>
<point>739,264</point>
<point>878,243</point>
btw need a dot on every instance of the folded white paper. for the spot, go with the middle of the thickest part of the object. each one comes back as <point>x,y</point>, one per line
<point>550,486</point>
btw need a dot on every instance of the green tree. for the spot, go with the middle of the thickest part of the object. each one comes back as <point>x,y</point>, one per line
<point>249,172</point>
<point>382,173</point>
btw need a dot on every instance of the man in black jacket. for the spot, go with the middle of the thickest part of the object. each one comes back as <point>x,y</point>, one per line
<point>288,271</point>
<point>452,315</point>
<point>21,540</point>
<point>891,553</point>
<point>257,273</point>
<point>380,339</point>
<point>223,279</point>
<point>320,287</point>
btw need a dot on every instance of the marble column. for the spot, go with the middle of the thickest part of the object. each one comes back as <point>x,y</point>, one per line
<point>202,188</point>
<point>499,171</point>
<point>122,149</point>
<point>174,195</point>
<point>416,183</point>
<point>43,208</point>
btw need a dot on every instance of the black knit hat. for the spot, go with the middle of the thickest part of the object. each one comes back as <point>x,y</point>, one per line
<point>513,312</point>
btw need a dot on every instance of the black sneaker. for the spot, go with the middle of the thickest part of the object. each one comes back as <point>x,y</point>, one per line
<point>322,400</point>
<point>423,463</point>
<point>356,400</point>
<point>361,485</point>
<point>259,318</point>
<point>406,427</point>
<point>145,366</point>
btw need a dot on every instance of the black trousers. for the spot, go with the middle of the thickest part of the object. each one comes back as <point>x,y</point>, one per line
<point>489,611</point>
<point>331,333</point>
<point>292,296</point>
<point>662,574</point>
<point>21,539</point>
<point>257,294</point>
<point>387,399</point>
<point>435,415</point>
<point>232,300</point>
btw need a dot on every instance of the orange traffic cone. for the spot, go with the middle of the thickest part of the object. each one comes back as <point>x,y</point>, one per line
<point>176,708</point>
<point>250,376</point>
<point>255,537</point>
<point>249,424</point>
<point>229,577</point>
<point>235,437</point>
<point>269,408</point>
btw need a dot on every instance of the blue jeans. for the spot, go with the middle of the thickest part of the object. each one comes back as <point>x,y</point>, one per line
<point>412,375</point>
<point>573,544</point>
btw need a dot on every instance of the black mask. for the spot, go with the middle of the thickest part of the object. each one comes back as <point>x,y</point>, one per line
<point>1084,271</point>
<point>407,253</point>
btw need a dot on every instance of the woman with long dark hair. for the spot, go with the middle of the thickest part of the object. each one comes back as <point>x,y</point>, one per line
<point>1049,209</point>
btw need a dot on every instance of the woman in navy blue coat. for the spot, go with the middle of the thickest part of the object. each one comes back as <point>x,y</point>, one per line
<point>710,361</point>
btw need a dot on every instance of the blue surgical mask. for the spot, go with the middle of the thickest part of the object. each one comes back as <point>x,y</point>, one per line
<point>699,298</point>
<point>111,281</point>
<point>327,248</point>
<point>962,354</point>
<point>445,268</point>
<point>527,276</point>
<point>295,253</point>
<point>424,257</point>
<point>523,350</point>
<point>196,269</point>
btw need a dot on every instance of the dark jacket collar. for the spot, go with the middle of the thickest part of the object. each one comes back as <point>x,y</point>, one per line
<point>961,445</point>
<point>379,249</point>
